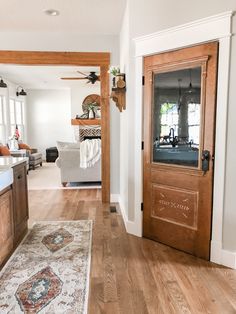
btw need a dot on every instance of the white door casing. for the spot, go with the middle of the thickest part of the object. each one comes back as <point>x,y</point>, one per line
<point>217,27</point>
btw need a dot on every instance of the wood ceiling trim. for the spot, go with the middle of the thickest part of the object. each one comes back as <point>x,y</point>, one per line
<point>54,58</point>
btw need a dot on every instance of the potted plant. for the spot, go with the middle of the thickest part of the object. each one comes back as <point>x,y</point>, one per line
<point>91,110</point>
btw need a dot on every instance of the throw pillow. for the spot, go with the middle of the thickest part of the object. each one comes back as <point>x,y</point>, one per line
<point>24,146</point>
<point>4,151</point>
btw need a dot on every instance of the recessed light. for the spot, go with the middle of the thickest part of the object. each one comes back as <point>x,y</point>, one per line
<point>52,12</point>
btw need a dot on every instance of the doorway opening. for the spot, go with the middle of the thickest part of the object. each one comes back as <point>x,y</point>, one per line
<point>179,134</point>
<point>78,59</point>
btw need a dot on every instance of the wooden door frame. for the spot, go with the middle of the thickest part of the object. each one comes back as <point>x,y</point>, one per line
<point>163,181</point>
<point>99,59</point>
<point>217,27</point>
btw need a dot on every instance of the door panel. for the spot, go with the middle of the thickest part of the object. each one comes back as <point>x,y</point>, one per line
<point>179,121</point>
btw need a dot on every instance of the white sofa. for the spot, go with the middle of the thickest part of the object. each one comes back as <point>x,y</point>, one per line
<point>68,162</point>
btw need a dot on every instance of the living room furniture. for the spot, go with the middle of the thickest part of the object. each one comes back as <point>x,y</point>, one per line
<point>19,153</point>
<point>69,164</point>
<point>51,154</point>
<point>35,159</point>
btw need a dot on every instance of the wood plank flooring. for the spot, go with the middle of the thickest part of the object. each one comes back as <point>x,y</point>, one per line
<point>131,275</point>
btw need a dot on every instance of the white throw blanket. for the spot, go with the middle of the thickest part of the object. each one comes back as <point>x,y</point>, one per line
<point>90,152</point>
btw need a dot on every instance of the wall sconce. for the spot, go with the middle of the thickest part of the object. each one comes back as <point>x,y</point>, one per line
<point>2,83</point>
<point>21,93</point>
<point>118,91</point>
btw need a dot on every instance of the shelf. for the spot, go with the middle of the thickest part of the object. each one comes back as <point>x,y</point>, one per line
<point>85,121</point>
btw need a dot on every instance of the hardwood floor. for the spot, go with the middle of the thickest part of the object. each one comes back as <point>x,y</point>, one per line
<point>136,275</point>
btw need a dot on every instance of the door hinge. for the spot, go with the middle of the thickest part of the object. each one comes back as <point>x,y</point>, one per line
<point>142,145</point>
<point>141,207</point>
<point>143,80</point>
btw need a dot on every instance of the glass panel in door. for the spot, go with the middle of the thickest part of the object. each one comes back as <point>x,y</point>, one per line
<point>176,117</point>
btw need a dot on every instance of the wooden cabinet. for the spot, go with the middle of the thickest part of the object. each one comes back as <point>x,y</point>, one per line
<point>20,202</point>
<point>6,224</point>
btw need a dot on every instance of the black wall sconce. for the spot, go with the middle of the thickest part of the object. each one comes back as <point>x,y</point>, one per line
<point>21,93</point>
<point>2,83</point>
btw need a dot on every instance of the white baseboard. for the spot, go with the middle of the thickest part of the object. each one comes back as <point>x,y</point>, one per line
<point>221,256</point>
<point>218,254</point>
<point>130,226</point>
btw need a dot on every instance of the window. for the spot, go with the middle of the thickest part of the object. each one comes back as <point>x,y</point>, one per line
<point>3,120</point>
<point>169,118</point>
<point>194,122</point>
<point>17,117</point>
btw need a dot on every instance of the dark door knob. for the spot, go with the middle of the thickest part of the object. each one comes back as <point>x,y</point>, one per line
<point>205,160</point>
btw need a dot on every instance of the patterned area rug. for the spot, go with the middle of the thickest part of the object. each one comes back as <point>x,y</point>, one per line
<point>49,272</point>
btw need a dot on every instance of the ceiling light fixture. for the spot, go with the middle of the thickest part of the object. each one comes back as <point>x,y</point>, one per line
<point>21,93</point>
<point>52,12</point>
<point>190,87</point>
<point>2,83</point>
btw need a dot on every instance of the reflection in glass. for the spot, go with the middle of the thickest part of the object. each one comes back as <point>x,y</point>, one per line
<point>176,117</point>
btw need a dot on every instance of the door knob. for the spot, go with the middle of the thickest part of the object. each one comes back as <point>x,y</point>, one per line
<point>205,160</point>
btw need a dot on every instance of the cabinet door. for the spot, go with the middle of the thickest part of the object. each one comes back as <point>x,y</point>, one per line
<point>20,201</point>
<point>6,225</point>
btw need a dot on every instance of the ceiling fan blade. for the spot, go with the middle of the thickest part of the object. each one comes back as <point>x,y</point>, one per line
<point>73,78</point>
<point>82,73</point>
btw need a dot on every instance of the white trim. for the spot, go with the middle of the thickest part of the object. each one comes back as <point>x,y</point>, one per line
<point>221,256</point>
<point>114,198</point>
<point>203,30</point>
<point>217,27</point>
<point>131,227</point>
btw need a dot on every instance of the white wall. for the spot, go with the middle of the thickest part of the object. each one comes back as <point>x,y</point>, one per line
<point>124,148</point>
<point>48,118</point>
<point>155,15</point>
<point>78,92</point>
<point>62,41</point>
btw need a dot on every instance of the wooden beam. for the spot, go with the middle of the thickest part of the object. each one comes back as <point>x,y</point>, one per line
<point>105,132</point>
<point>55,58</point>
<point>101,59</point>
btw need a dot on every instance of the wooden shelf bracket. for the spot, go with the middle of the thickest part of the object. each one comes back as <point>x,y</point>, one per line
<point>118,95</point>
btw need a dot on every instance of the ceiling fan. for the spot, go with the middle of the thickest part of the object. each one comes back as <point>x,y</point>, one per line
<point>92,77</point>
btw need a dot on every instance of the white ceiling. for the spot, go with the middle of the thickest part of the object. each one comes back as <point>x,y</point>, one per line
<point>81,16</point>
<point>45,77</point>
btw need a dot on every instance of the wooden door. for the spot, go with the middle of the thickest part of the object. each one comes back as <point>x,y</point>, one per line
<point>179,128</point>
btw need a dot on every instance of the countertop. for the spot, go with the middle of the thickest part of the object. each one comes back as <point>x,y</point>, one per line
<point>6,178</point>
<point>9,161</point>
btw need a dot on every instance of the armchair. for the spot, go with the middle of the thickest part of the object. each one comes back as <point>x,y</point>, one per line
<point>35,158</point>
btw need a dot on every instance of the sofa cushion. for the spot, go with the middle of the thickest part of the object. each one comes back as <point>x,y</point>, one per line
<point>67,145</point>
<point>35,156</point>
<point>4,151</point>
